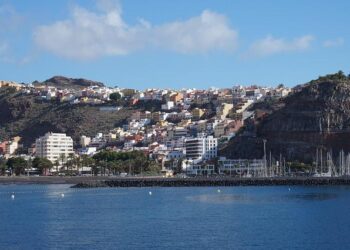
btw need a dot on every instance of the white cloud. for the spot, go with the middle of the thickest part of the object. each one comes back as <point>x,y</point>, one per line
<point>270,45</point>
<point>88,35</point>
<point>198,34</point>
<point>333,43</point>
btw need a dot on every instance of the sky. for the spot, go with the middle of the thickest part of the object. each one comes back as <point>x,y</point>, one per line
<point>174,44</point>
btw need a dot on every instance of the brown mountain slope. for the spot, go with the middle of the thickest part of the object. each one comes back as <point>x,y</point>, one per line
<point>317,115</point>
<point>29,118</point>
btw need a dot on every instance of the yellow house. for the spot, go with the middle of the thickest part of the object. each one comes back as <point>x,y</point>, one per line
<point>224,110</point>
<point>197,113</point>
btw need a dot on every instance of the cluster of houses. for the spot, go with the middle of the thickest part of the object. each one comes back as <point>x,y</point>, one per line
<point>184,133</point>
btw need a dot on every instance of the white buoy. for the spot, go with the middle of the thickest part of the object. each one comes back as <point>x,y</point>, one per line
<point>219,191</point>
<point>150,193</point>
<point>12,196</point>
<point>289,189</point>
<point>62,195</point>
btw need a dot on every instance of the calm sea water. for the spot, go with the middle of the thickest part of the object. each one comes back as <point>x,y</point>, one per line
<point>174,218</point>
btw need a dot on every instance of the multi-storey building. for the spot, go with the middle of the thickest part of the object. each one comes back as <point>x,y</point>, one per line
<point>54,145</point>
<point>11,147</point>
<point>201,148</point>
<point>85,141</point>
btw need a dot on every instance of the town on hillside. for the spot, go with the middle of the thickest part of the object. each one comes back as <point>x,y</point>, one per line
<point>176,132</point>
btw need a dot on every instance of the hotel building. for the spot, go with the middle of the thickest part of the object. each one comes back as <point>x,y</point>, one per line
<point>53,145</point>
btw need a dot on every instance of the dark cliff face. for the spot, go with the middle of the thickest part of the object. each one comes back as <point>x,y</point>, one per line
<point>316,116</point>
<point>62,82</point>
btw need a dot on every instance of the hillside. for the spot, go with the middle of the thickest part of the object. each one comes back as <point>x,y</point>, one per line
<point>30,118</point>
<point>62,82</point>
<point>317,115</point>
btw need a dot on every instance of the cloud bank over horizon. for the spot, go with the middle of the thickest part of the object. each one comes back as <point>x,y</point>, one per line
<point>271,45</point>
<point>88,35</point>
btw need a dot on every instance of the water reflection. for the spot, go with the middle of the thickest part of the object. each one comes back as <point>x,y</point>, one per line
<point>253,198</point>
<point>224,198</point>
<point>312,196</point>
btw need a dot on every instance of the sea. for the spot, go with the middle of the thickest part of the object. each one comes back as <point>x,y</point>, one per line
<point>59,217</point>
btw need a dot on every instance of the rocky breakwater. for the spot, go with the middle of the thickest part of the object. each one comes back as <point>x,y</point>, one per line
<point>207,182</point>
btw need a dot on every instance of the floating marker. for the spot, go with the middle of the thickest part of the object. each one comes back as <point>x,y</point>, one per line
<point>288,189</point>
<point>219,191</point>
<point>12,196</point>
<point>62,195</point>
<point>150,193</point>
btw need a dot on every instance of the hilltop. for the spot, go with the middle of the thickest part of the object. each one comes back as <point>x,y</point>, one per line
<point>316,115</point>
<point>62,82</point>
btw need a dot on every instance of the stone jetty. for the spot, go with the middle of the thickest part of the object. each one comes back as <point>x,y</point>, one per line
<point>201,182</point>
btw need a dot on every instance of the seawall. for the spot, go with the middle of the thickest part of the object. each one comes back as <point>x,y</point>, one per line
<point>199,182</point>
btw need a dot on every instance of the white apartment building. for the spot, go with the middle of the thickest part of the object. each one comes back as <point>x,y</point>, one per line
<point>230,166</point>
<point>202,148</point>
<point>168,106</point>
<point>52,145</point>
<point>198,169</point>
<point>11,147</point>
<point>85,141</point>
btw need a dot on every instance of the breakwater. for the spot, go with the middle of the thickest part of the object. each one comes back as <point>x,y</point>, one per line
<point>199,182</point>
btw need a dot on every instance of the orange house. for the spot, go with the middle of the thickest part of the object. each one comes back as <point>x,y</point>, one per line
<point>176,97</point>
<point>3,147</point>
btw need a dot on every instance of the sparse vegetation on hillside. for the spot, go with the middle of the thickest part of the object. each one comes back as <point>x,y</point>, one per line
<point>28,117</point>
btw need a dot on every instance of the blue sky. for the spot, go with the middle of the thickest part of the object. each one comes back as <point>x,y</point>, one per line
<point>174,44</point>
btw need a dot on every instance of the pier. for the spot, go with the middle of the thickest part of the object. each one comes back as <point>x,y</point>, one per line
<point>201,182</point>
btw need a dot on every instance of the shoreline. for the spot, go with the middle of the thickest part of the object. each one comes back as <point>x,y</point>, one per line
<point>152,181</point>
<point>53,179</point>
<point>221,181</point>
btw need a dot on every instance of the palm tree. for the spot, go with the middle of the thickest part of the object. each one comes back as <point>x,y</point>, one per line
<point>78,161</point>
<point>29,165</point>
<point>57,164</point>
<point>71,160</point>
<point>131,164</point>
<point>110,166</point>
<point>90,162</point>
<point>62,158</point>
<point>43,164</point>
<point>86,161</point>
<point>18,164</point>
<point>2,166</point>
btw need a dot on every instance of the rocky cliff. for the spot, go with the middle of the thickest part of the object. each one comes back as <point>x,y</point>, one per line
<point>316,115</point>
